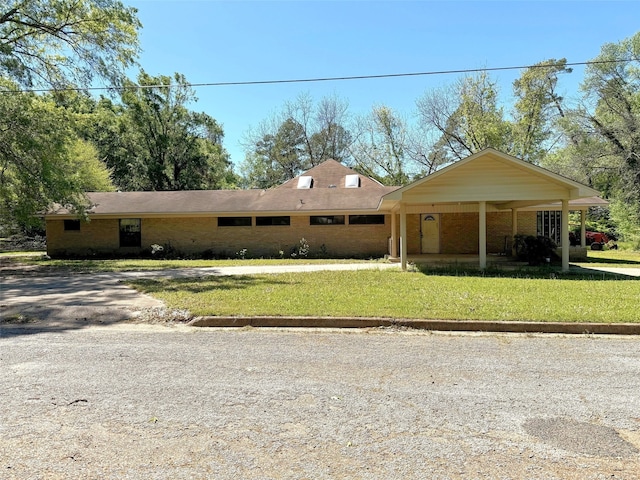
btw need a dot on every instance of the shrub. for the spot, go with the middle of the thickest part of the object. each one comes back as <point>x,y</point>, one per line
<point>535,250</point>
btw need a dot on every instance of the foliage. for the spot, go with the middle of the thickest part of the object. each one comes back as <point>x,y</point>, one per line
<point>63,43</point>
<point>535,250</point>
<point>379,150</point>
<point>467,118</point>
<point>538,106</point>
<point>178,149</point>
<point>299,137</point>
<point>301,250</point>
<point>42,162</point>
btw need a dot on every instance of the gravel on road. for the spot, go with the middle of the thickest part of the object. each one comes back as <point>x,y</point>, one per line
<point>160,402</point>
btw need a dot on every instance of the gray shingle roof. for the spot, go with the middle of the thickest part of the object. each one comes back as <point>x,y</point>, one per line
<point>285,199</point>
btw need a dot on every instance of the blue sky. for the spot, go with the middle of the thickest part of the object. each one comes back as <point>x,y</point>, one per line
<point>225,41</point>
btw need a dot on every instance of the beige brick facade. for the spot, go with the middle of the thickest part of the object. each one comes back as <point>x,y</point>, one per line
<point>194,235</point>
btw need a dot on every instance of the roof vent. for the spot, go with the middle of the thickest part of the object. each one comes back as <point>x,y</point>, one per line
<point>305,181</point>
<point>352,181</point>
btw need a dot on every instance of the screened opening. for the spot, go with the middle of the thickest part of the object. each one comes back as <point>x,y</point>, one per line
<point>234,221</point>
<point>130,232</point>
<point>550,225</point>
<point>268,221</point>
<point>366,219</point>
<point>71,225</point>
<point>326,220</point>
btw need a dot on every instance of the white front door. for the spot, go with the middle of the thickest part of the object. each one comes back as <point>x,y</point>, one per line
<point>430,230</point>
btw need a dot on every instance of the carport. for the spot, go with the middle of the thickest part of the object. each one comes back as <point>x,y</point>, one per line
<point>484,183</point>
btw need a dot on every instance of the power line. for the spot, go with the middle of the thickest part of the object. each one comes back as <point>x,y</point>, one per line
<point>317,79</point>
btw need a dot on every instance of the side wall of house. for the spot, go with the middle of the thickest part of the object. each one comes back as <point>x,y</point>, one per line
<point>459,231</point>
<point>196,235</point>
<point>97,236</point>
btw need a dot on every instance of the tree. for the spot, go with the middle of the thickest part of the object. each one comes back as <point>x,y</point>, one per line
<point>54,44</point>
<point>602,145</point>
<point>178,149</point>
<point>41,159</point>
<point>64,43</point>
<point>538,107</point>
<point>379,149</point>
<point>467,117</point>
<point>297,138</point>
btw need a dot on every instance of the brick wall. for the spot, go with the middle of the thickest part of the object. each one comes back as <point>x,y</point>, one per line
<point>197,234</point>
<point>458,234</point>
<point>93,237</point>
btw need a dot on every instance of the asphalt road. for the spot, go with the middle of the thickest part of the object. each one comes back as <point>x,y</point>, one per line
<point>159,402</point>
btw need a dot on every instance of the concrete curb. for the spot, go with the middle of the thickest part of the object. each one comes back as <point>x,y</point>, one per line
<point>440,325</point>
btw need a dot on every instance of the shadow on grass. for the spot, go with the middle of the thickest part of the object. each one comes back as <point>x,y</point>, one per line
<point>203,284</point>
<point>541,273</point>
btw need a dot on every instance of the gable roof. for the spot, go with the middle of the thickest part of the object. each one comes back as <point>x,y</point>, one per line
<point>281,200</point>
<point>491,176</point>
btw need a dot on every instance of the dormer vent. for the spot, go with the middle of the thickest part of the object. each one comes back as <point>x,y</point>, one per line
<point>305,181</point>
<point>352,181</point>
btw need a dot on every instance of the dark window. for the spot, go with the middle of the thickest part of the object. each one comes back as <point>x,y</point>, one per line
<point>130,232</point>
<point>366,219</point>
<point>550,225</point>
<point>71,225</point>
<point>266,221</point>
<point>234,221</point>
<point>326,220</point>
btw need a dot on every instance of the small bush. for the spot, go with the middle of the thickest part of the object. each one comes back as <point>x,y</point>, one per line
<point>535,250</point>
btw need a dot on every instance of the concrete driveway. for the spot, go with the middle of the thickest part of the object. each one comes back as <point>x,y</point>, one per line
<point>104,298</point>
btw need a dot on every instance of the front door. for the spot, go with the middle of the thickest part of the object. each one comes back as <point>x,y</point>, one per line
<point>430,231</point>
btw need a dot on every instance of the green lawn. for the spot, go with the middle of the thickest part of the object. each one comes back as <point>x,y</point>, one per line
<point>130,265</point>
<point>612,258</point>
<point>396,294</point>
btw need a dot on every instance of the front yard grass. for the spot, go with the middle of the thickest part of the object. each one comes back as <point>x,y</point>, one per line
<point>395,294</point>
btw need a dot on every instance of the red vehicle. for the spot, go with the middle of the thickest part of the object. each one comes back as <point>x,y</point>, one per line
<point>597,240</point>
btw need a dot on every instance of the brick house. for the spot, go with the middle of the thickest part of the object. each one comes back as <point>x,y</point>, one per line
<point>473,206</point>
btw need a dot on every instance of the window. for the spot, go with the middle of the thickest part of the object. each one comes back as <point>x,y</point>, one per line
<point>130,232</point>
<point>366,219</point>
<point>234,221</point>
<point>267,221</point>
<point>305,181</point>
<point>326,220</point>
<point>70,225</point>
<point>550,225</point>
<point>352,181</point>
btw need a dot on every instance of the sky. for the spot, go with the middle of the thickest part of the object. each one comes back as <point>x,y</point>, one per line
<point>211,41</point>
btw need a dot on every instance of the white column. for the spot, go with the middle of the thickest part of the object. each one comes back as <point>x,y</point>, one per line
<point>482,233</point>
<point>403,237</point>
<point>564,239</point>
<point>583,228</point>
<point>514,229</point>
<point>394,236</point>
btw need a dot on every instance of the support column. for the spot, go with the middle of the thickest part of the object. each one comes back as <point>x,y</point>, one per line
<point>564,239</point>
<point>514,229</point>
<point>403,237</point>
<point>583,228</point>
<point>482,233</point>
<point>394,236</point>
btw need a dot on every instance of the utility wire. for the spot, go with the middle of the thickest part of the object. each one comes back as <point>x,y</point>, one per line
<point>317,79</point>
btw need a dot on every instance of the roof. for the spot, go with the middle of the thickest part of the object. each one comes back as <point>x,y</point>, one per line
<point>328,194</point>
<point>490,176</point>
